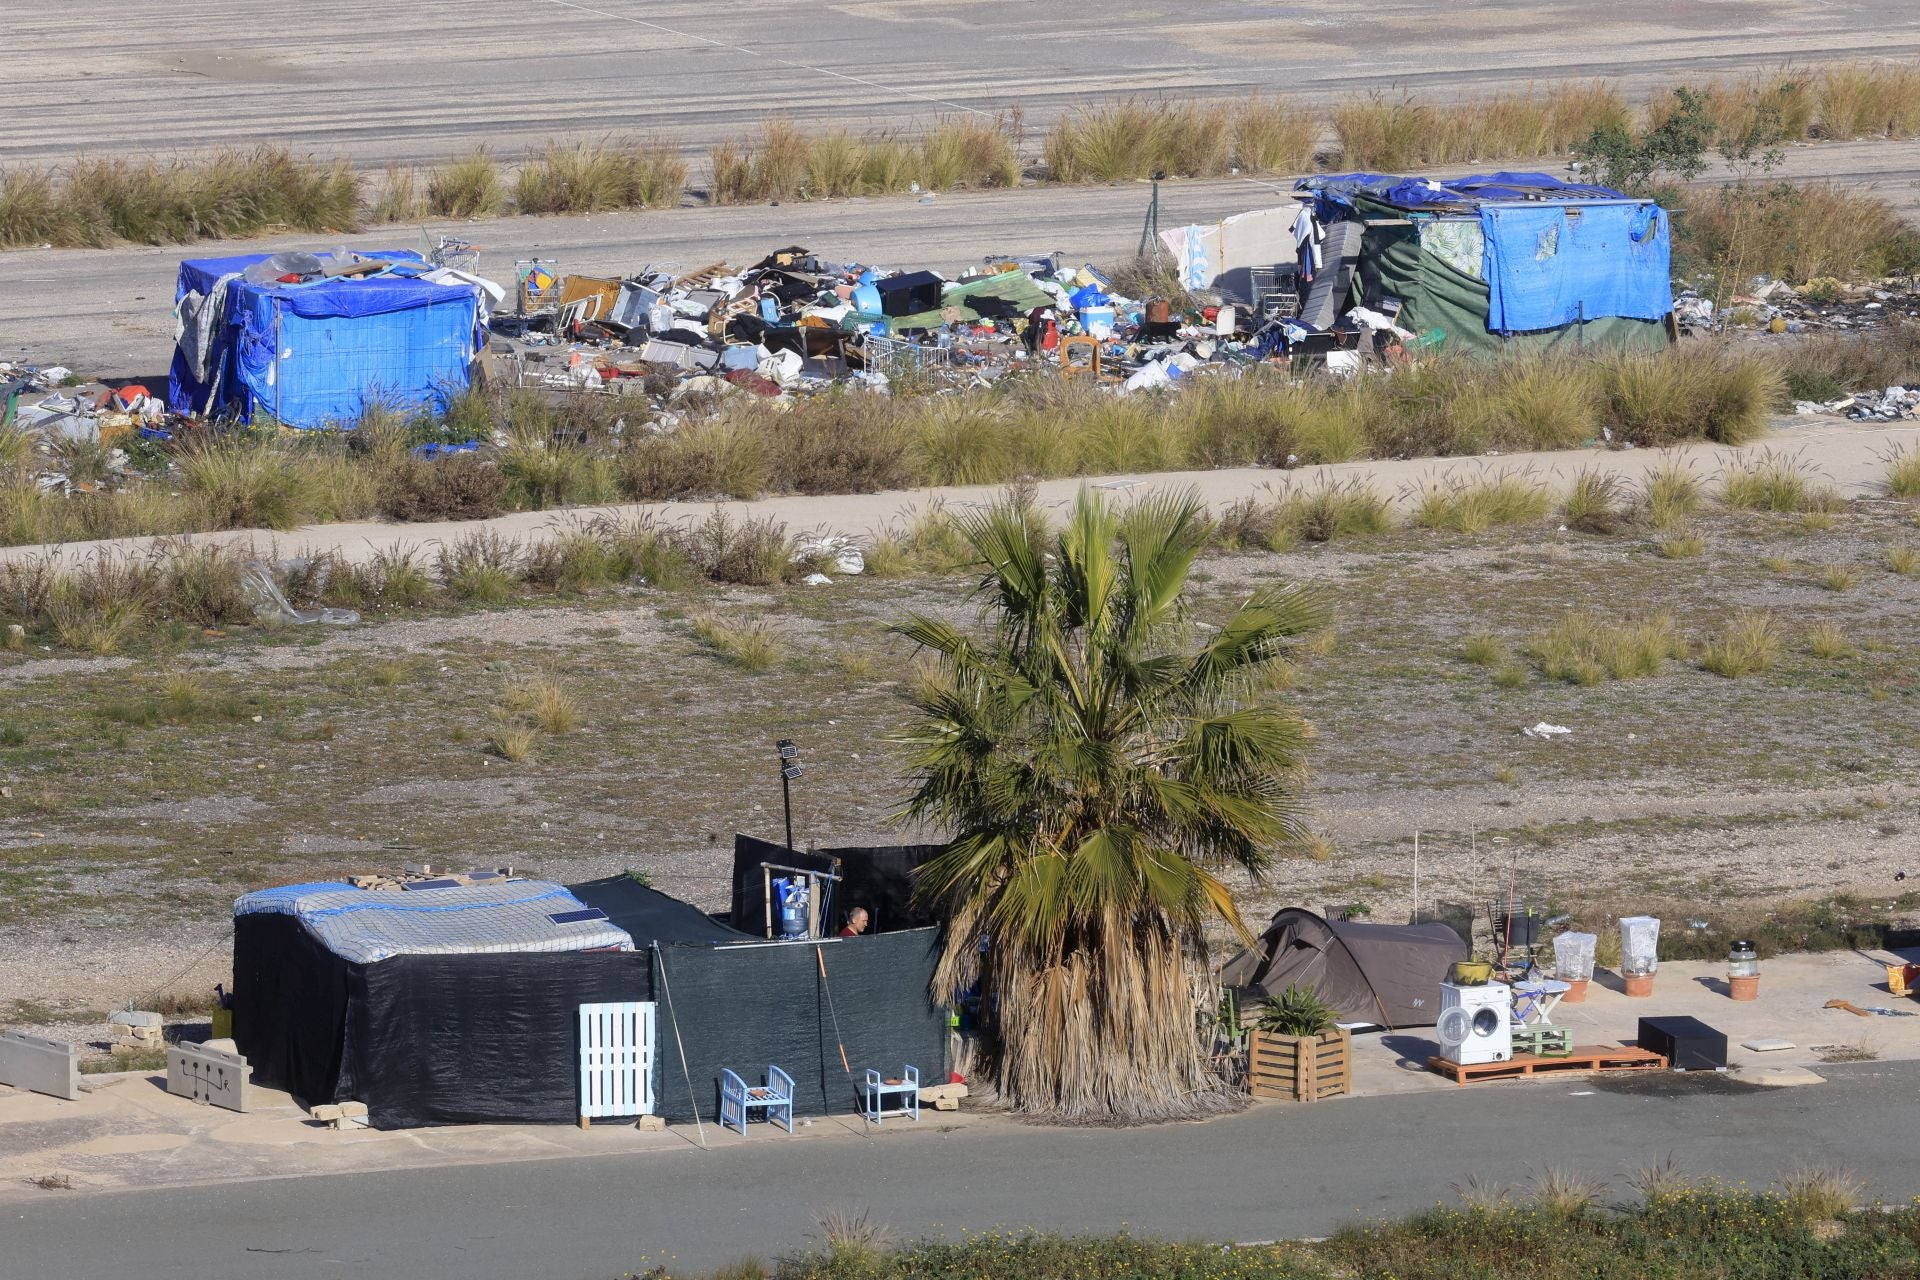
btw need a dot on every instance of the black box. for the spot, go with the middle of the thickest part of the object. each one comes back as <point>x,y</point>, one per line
<point>1688,1043</point>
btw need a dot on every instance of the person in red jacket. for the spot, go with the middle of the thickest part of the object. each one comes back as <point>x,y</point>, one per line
<point>856,923</point>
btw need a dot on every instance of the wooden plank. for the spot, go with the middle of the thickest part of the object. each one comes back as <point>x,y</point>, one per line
<point>1583,1059</point>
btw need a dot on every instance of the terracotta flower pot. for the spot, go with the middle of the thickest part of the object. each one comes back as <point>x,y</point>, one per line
<point>1747,988</point>
<point>1576,992</point>
<point>1638,984</point>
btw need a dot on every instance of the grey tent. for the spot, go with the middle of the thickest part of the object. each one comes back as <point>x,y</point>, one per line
<point>1380,973</point>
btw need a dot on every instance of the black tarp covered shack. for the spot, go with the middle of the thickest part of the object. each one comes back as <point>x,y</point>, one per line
<point>877,877</point>
<point>1378,973</point>
<point>492,1037</point>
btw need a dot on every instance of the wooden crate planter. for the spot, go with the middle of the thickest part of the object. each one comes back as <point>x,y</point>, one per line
<point>1300,1068</point>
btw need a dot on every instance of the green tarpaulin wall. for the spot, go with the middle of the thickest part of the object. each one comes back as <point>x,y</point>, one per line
<point>1434,295</point>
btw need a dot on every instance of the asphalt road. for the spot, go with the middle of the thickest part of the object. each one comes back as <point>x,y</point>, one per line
<point>108,311</point>
<point>1276,1171</point>
<point>377,81</point>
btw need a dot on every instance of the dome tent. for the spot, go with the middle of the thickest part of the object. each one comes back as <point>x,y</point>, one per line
<point>1377,973</point>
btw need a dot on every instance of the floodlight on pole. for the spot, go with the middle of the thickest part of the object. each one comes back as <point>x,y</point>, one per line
<point>789,770</point>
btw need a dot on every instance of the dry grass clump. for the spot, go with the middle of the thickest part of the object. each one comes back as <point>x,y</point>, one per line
<point>1827,641</point>
<point>512,742</point>
<point>1597,502</point>
<point>1775,482</point>
<point>589,177</point>
<point>1682,546</point>
<point>467,186</point>
<point>1757,108</point>
<point>1383,132</point>
<point>545,702</point>
<point>1820,1194</point>
<point>1747,644</point>
<point>218,195</point>
<point>1460,505</point>
<point>1903,472</point>
<point>782,162</point>
<point>1839,577</point>
<point>1127,138</point>
<point>481,567</point>
<point>1483,649</point>
<point>752,644</point>
<point>1563,1193</point>
<point>1584,649</point>
<point>401,197</point>
<point>1868,100</point>
<point>1670,495</point>
<point>1704,391</point>
<point>1903,560</point>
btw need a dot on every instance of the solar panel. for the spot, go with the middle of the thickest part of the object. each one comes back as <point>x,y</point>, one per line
<point>574,917</point>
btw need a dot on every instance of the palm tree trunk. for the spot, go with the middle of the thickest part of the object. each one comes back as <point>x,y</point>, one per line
<point>1103,1030</point>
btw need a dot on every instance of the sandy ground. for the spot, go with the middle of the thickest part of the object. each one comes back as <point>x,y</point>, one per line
<point>109,312</point>
<point>355,78</point>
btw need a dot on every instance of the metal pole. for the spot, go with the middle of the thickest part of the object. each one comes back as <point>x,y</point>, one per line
<point>1416,877</point>
<point>786,802</point>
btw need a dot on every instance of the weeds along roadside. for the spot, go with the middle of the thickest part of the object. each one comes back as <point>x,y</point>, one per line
<point>108,603</point>
<point>232,193</point>
<point>544,451</point>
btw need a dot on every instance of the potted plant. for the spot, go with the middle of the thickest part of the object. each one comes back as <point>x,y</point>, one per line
<point>1639,953</point>
<point>1297,1051</point>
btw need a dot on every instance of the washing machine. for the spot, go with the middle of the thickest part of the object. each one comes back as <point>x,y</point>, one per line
<point>1476,1023</point>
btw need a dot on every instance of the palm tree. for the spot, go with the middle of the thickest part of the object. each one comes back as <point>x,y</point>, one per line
<point>1098,778</point>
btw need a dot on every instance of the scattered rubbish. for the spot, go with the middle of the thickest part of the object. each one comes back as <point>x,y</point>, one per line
<point>1870,1011</point>
<point>1545,730</point>
<point>269,601</point>
<point>816,580</point>
<point>1766,1044</point>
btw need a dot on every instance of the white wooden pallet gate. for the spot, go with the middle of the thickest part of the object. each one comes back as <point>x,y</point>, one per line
<point>616,1060</point>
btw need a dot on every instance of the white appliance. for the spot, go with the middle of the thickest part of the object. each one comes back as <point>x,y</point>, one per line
<point>1476,1023</point>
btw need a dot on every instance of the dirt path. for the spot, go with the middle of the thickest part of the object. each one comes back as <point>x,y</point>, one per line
<point>1848,456</point>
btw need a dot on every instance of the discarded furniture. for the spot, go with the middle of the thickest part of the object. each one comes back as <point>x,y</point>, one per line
<point>40,1065</point>
<point>739,1100</point>
<point>876,1091</point>
<point>1300,1068</point>
<point>1535,999</point>
<point>1584,1058</point>
<point>211,1076</point>
<point>1079,356</point>
<point>1543,1041</point>
<point>1688,1044</point>
<point>616,1059</point>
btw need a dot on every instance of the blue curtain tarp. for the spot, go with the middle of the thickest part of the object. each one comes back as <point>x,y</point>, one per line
<point>1549,265</point>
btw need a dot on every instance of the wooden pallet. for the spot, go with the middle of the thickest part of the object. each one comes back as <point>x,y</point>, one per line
<point>1584,1058</point>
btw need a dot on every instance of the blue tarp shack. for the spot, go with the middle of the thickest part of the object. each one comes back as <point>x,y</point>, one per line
<point>1504,260</point>
<point>320,349</point>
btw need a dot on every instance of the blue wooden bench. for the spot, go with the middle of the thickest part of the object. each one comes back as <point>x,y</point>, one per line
<point>739,1100</point>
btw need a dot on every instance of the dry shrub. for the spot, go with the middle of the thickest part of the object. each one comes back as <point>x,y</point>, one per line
<point>1273,135</point>
<point>1688,393</point>
<point>214,196</point>
<point>752,644</point>
<point>468,186</point>
<point>1381,133</point>
<point>1460,504</point>
<point>1868,100</point>
<point>970,151</point>
<point>401,198</point>
<point>1597,502</point>
<point>1776,482</point>
<point>239,483</point>
<point>845,442</point>
<point>99,606</point>
<point>201,584</point>
<point>1795,231</point>
<point>754,553</point>
<point>461,486</point>
<point>768,165</point>
<point>611,173</point>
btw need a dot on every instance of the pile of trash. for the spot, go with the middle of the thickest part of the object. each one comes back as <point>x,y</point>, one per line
<point>795,324</point>
<point>1818,306</point>
<point>1888,405</point>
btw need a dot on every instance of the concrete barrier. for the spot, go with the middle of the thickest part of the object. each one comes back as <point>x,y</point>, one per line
<point>206,1075</point>
<point>40,1065</point>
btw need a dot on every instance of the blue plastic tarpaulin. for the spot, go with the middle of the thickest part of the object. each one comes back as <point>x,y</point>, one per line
<point>321,353</point>
<point>1551,264</point>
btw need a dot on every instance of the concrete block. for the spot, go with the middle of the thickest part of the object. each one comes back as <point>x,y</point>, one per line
<point>40,1065</point>
<point>935,1092</point>
<point>135,1018</point>
<point>209,1076</point>
<point>652,1124</point>
<point>348,1110</point>
<point>222,1046</point>
<point>945,1104</point>
<point>327,1113</point>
